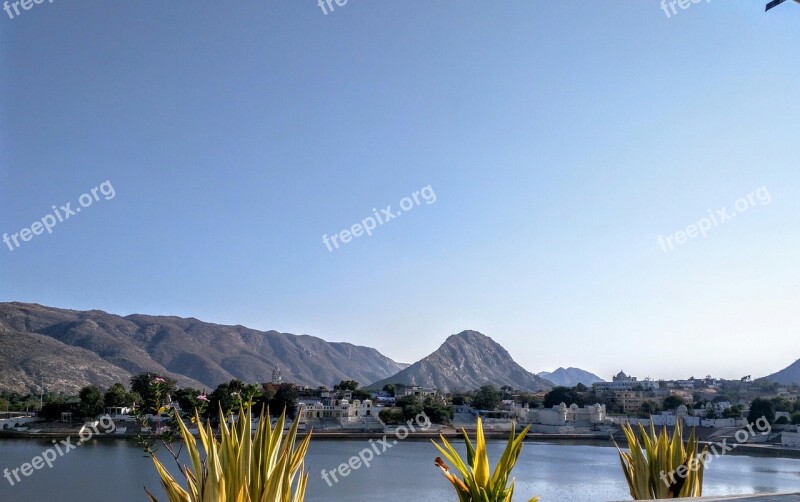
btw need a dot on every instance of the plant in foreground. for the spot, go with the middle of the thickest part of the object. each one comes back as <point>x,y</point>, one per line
<point>477,483</point>
<point>240,466</point>
<point>660,467</point>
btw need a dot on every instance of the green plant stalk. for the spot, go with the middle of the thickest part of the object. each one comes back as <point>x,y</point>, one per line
<point>240,466</point>
<point>654,461</point>
<point>477,483</point>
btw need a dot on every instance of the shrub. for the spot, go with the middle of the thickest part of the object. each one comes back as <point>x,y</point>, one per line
<point>654,463</point>
<point>477,483</point>
<point>239,466</point>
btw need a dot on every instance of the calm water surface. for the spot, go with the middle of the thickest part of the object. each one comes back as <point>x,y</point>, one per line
<point>117,471</point>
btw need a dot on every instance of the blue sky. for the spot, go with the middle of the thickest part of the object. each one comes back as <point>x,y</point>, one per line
<point>560,138</point>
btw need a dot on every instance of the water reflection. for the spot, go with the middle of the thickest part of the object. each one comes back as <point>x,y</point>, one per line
<point>556,472</point>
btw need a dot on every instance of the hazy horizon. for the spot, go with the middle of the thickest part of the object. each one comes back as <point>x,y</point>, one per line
<point>569,147</point>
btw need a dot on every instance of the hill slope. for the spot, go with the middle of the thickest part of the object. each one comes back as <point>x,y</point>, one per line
<point>570,377</point>
<point>199,354</point>
<point>465,362</point>
<point>787,376</point>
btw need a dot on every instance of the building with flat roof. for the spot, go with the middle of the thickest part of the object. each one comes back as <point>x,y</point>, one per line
<point>621,381</point>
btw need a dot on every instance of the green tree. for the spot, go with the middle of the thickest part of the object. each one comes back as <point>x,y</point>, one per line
<point>187,399</point>
<point>796,418</point>
<point>389,389</point>
<point>285,399</point>
<point>761,408</point>
<point>486,398</point>
<point>54,405</point>
<point>672,402</point>
<point>562,395</point>
<point>782,404</point>
<point>649,408</point>
<point>437,412</point>
<point>346,385</point>
<point>407,401</point>
<point>410,406</point>
<point>144,385</point>
<point>412,410</point>
<point>117,395</point>
<point>135,398</point>
<point>268,394</point>
<point>734,411</point>
<point>460,399</point>
<point>361,395</point>
<point>391,416</point>
<point>226,396</point>
<point>91,401</point>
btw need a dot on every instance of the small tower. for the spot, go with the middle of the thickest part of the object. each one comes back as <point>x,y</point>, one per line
<point>276,375</point>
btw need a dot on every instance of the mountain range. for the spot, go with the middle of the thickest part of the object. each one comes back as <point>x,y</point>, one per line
<point>465,362</point>
<point>64,350</point>
<point>67,349</point>
<point>570,377</point>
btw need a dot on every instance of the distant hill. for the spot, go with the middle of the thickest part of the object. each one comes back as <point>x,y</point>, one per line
<point>787,376</point>
<point>465,362</point>
<point>570,377</point>
<point>26,358</point>
<point>70,349</point>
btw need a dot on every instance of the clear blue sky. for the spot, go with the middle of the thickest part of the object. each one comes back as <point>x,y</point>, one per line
<point>560,138</point>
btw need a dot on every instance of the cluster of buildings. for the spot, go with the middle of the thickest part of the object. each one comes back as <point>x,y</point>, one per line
<point>563,419</point>
<point>630,394</point>
<point>623,382</point>
<point>689,418</point>
<point>560,419</point>
<point>325,409</point>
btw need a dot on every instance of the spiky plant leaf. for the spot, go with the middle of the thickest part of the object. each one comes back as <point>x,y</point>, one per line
<point>477,483</point>
<point>239,465</point>
<point>652,464</point>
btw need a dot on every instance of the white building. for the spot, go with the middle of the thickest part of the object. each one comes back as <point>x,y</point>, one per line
<point>621,381</point>
<point>791,439</point>
<point>562,418</point>
<point>414,390</point>
<point>344,411</point>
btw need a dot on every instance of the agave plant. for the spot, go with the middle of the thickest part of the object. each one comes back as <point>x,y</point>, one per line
<point>660,467</point>
<point>240,466</point>
<point>477,483</point>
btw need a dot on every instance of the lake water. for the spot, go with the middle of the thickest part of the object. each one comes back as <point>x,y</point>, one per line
<point>116,471</point>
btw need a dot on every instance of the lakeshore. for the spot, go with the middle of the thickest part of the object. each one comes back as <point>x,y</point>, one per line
<point>55,430</point>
